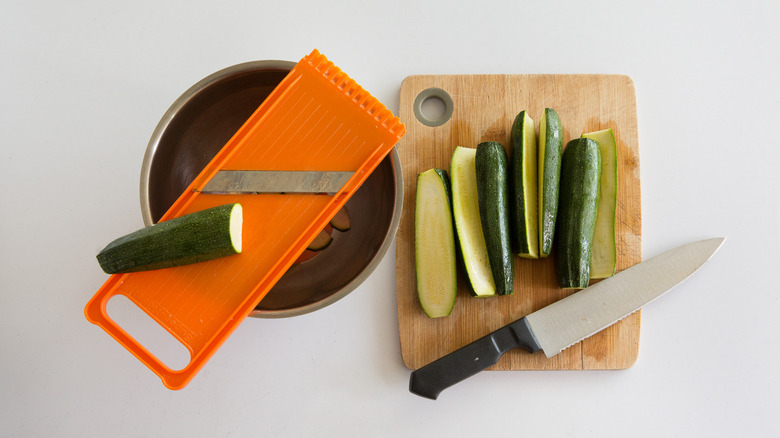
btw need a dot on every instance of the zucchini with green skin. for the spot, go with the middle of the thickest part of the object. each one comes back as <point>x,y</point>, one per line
<point>550,149</point>
<point>468,225</point>
<point>192,238</point>
<point>434,244</point>
<point>492,190</point>
<point>579,201</point>
<point>523,188</point>
<point>604,257</point>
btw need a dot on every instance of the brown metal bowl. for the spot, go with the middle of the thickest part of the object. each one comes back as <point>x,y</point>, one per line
<point>196,127</point>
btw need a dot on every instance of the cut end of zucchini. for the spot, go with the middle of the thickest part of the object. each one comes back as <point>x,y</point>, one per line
<point>236,227</point>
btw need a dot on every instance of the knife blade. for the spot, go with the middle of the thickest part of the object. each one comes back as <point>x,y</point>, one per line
<point>570,320</point>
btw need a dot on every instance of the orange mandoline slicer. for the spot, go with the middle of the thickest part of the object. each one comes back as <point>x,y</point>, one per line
<point>317,120</point>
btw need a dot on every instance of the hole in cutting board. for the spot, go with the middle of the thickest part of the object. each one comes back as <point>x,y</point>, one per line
<point>147,332</point>
<point>433,107</point>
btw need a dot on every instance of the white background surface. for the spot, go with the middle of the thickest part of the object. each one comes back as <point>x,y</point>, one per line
<point>83,84</point>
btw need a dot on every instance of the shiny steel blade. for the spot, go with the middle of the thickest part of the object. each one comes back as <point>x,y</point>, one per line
<point>582,314</point>
<point>276,181</point>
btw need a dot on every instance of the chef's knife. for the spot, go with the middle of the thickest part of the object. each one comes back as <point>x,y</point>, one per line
<point>570,320</point>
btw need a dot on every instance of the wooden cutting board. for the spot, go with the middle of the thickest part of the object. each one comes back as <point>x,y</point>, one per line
<point>483,108</point>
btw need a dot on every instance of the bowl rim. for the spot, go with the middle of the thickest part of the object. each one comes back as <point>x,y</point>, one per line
<point>194,91</point>
<point>387,242</point>
<point>174,109</point>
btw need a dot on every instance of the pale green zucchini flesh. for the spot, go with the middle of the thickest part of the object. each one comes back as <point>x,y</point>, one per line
<point>465,205</point>
<point>604,252</point>
<point>524,188</point>
<point>434,244</point>
<point>579,200</point>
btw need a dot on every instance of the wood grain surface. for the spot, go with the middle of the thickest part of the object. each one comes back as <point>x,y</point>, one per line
<point>484,108</point>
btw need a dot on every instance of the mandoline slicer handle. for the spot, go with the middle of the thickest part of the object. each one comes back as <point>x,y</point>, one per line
<point>95,312</point>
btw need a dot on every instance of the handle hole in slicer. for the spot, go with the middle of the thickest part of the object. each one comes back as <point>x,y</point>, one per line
<point>147,332</point>
<point>433,107</point>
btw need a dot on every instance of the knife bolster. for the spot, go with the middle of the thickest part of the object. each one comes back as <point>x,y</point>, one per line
<point>523,336</point>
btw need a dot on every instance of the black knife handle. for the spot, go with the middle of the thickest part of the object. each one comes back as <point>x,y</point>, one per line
<point>430,380</point>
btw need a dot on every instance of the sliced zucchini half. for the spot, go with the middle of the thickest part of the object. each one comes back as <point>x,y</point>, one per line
<point>468,225</point>
<point>434,244</point>
<point>341,221</point>
<point>604,252</point>
<point>524,188</point>
<point>322,240</point>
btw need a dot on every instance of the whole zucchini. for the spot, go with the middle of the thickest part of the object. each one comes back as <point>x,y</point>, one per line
<point>492,190</point>
<point>578,209</point>
<point>523,191</point>
<point>192,238</point>
<point>550,147</point>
